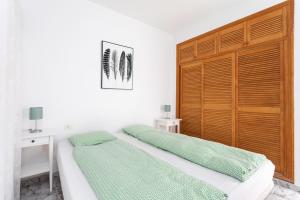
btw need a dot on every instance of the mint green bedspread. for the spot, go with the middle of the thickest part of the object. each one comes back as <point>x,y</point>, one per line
<point>234,162</point>
<point>118,171</point>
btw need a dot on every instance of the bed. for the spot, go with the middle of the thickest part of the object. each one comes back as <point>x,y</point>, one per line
<point>76,187</point>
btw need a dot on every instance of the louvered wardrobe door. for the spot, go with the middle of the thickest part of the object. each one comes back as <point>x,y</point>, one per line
<point>232,38</point>
<point>207,46</point>
<point>218,99</point>
<point>267,27</point>
<point>260,101</point>
<point>190,99</point>
<point>187,52</point>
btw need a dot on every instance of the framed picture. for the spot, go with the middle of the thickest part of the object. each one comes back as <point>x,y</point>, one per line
<point>116,66</point>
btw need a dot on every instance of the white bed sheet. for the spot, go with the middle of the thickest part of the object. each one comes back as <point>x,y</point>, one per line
<point>76,187</point>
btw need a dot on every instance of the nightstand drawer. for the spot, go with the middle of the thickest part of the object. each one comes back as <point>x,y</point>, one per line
<point>35,141</point>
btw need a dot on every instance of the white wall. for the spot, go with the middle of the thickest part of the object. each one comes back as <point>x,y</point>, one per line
<point>61,46</point>
<point>3,70</point>
<point>297,92</point>
<point>9,106</point>
<point>221,17</point>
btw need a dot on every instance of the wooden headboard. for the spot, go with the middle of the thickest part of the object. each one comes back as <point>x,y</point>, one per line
<point>235,85</point>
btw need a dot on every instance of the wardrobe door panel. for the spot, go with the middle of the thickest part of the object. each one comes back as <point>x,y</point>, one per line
<point>261,132</point>
<point>259,76</point>
<point>218,99</point>
<point>187,52</point>
<point>267,27</point>
<point>217,125</point>
<point>232,38</point>
<point>207,46</point>
<point>191,120</point>
<point>191,96</point>
<point>260,101</point>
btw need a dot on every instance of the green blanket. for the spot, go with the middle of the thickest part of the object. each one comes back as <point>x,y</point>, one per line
<point>234,162</point>
<point>118,171</point>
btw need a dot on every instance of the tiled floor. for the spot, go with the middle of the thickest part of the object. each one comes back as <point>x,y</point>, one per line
<point>282,193</point>
<point>38,189</point>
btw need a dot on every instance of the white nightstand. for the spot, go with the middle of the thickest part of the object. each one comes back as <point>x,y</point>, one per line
<point>166,124</point>
<point>38,162</point>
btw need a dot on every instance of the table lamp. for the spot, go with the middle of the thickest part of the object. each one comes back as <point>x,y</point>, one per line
<point>167,109</point>
<point>35,113</point>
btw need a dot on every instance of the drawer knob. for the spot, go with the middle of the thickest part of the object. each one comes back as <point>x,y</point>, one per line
<point>32,141</point>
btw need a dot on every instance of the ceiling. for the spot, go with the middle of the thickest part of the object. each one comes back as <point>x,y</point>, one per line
<point>172,15</point>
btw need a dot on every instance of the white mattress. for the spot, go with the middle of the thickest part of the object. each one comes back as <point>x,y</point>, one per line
<point>76,187</point>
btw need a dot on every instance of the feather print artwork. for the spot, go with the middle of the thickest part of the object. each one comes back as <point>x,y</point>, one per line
<point>122,65</point>
<point>105,61</point>
<point>114,58</point>
<point>116,66</point>
<point>129,66</point>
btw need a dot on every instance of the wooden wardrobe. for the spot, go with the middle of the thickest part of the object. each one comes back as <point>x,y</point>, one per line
<point>235,86</point>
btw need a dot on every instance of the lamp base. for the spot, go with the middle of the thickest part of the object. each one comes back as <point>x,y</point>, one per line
<point>35,130</point>
<point>167,115</point>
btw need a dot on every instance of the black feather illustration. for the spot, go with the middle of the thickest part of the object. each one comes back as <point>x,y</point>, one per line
<point>114,58</point>
<point>122,65</point>
<point>105,62</point>
<point>129,66</point>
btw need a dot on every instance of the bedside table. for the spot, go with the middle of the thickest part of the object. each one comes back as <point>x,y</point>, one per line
<point>37,164</point>
<point>166,124</point>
